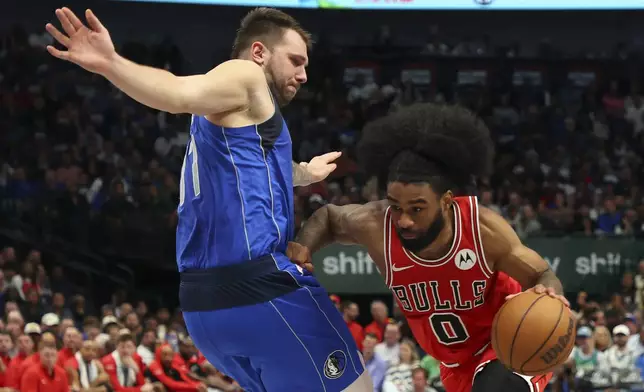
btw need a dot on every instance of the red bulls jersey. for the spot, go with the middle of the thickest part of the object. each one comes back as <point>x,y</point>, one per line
<point>449,302</point>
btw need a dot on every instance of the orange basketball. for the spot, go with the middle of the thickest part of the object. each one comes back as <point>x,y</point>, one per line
<point>533,333</point>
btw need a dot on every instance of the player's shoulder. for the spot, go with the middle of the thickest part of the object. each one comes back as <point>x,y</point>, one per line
<point>242,69</point>
<point>497,236</point>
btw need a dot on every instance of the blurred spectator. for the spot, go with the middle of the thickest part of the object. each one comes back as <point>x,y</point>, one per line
<point>85,372</point>
<point>380,316</point>
<point>44,375</point>
<point>602,338</point>
<point>618,363</point>
<point>376,366</point>
<point>584,355</point>
<point>389,349</point>
<point>125,374</point>
<point>50,323</point>
<point>147,347</point>
<point>6,346</point>
<point>399,375</point>
<point>165,371</point>
<point>350,313</point>
<point>72,343</point>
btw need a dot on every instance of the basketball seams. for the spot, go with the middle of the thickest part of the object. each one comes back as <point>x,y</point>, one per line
<point>571,344</point>
<point>514,338</point>
<point>495,323</point>
<point>546,340</point>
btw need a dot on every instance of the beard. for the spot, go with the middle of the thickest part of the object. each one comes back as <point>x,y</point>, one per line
<point>280,94</point>
<point>425,239</point>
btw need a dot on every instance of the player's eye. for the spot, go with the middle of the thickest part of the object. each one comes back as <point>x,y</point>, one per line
<point>396,208</point>
<point>416,210</point>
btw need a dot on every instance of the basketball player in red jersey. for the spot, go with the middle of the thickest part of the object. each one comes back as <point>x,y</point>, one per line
<point>450,263</point>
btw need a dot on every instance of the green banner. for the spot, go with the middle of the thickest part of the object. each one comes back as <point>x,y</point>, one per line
<point>593,265</point>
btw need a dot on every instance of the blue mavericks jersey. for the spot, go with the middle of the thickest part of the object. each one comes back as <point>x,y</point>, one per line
<point>236,193</point>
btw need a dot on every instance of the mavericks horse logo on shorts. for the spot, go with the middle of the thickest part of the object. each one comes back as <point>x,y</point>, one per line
<point>335,364</point>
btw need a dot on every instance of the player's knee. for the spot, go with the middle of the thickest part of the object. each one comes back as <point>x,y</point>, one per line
<point>361,384</point>
<point>497,378</point>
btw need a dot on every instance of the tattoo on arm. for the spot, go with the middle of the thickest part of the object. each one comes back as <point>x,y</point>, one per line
<point>344,224</point>
<point>316,233</point>
<point>301,176</point>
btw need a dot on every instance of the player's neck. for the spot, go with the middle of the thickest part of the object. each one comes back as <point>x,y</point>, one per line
<point>442,243</point>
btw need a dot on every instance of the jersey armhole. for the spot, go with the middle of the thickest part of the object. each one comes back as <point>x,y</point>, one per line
<point>387,247</point>
<point>478,241</point>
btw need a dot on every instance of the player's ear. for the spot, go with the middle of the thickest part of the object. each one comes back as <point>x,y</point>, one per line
<point>446,200</point>
<point>258,53</point>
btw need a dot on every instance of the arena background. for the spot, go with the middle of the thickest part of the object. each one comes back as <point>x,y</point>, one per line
<point>560,91</point>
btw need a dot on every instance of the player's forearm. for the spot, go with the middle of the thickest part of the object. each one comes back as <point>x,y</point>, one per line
<point>549,279</point>
<point>156,88</point>
<point>317,231</point>
<point>301,176</point>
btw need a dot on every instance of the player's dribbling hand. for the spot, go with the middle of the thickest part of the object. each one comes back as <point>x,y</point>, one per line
<point>90,47</point>
<point>321,166</point>
<point>541,289</point>
<point>300,255</point>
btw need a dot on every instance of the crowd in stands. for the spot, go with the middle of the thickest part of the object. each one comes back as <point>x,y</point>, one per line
<point>81,161</point>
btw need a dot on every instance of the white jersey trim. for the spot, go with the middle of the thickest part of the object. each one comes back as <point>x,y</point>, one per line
<point>478,241</point>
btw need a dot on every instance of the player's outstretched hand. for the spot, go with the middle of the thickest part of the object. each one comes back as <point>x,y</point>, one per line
<point>300,255</point>
<point>321,166</point>
<point>89,46</point>
<point>541,289</point>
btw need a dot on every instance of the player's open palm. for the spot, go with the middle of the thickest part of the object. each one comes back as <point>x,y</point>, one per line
<point>89,46</point>
<point>321,166</point>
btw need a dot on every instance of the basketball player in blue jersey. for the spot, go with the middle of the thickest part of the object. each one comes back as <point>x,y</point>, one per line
<point>254,315</point>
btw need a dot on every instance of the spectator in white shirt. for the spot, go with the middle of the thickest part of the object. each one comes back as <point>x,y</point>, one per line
<point>399,374</point>
<point>389,349</point>
<point>147,346</point>
<point>619,362</point>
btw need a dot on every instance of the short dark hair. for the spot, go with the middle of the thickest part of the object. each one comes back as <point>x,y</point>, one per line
<point>421,370</point>
<point>126,337</point>
<point>371,335</point>
<point>443,145</point>
<point>344,305</point>
<point>43,344</point>
<point>267,25</point>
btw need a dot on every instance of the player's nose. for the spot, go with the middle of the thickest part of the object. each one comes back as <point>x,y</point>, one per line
<point>405,222</point>
<point>301,76</point>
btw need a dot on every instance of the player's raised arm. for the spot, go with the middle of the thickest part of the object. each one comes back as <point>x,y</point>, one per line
<point>511,256</point>
<point>227,87</point>
<point>348,224</point>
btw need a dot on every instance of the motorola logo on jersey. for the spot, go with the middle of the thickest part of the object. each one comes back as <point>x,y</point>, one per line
<point>335,364</point>
<point>465,259</point>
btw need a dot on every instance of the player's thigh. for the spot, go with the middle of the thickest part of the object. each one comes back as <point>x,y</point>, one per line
<point>494,377</point>
<point>206,331</point>
<point>316,351</point>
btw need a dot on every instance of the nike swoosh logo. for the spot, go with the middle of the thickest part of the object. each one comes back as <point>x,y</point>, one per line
<point>396,269</point>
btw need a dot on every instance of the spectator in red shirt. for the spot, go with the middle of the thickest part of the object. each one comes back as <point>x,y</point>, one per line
<point>125,374</point>
<point>350,313</point>
<point>25,349</point>
<point>85,371</point>
<point>379,312</point>
<point>173,376</point>
<point>45,375</point>
<point>199,369</point>
<point>72,342</point>
<point>6,344</point>
<point>47,339</point>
